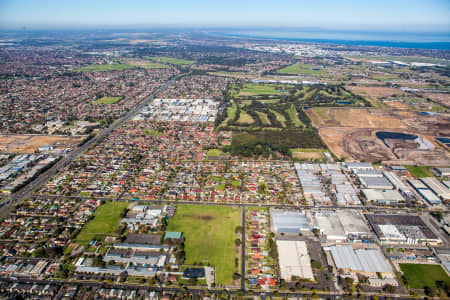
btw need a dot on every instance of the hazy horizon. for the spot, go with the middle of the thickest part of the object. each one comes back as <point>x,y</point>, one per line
<point>402,16</point>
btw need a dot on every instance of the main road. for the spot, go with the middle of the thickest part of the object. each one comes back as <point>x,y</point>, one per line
<point>27,191</point>
<point>199,290</point>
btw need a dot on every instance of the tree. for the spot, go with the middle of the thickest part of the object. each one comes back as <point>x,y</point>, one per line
<point>389,288</point>
<point>238,230</point>
<point>428,291</point>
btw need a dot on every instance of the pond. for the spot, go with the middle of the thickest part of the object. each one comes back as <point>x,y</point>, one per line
<point>383,135</point>
<point>444,140</point>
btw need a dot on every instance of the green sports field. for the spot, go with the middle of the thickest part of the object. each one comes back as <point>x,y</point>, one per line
<point>172,61</point>
<point>209,233</point>
<point>107,100</point>
<point>302,69</point>
<point>105,222</point>
<point>259,89</point>
<point>103,68</point>
<point>419,276</point>
<point>213,152</point>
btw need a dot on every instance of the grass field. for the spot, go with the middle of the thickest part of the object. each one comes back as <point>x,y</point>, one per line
<point>268,101</point>
<point>145,64</point>
<point>307,153</point>
<point>213,152</point>
<point>231,113</point>
<point>322,112</point>
<point>104,68</point>
<point>419,276</point>
<point>245,118</point>
<point>291,138</point>
<point>209,233</point>
<point>279,117</point>
<point>251,89</point>
<point>302,69</point>
<point>263,117</point>
<point>292,112</point>
<point>172,61</point>
<point>150,132</point>
<point>406,59</point>
<point>420,171</point>
<point>107,100</point>
<point>106,220</point>
<point>307,150</point>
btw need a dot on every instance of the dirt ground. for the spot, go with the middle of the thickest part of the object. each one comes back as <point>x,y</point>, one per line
<point>307,155</point>
<point>438,97</point>
<point>396,105</point>
<point>30,143</point>
<point>333,137</point>
<point>362,144</point>
<point>364,118</point>
<point>375,92</point>
<point>354,117</point>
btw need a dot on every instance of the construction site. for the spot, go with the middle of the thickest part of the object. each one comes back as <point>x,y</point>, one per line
<point>351,134</point>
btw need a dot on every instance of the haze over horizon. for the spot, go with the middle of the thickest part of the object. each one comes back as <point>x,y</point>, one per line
<point>421,16</point>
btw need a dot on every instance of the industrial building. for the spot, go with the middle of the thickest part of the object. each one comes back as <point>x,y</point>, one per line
<point>330,226</point>
<point>402,229</point>
<point>437,187</point>
<point>444,257</point>
<point>375,182</point>
<point>369,263</point>
<point>383,197</point>
<point>311,185</point>
<point>341,226</point>
<point>358,166</point>
<point>294,260</point>
<point>289,222</point>
<point>398,183</point>
<point>346,194</point>
<point>442,172</point>
<point>366,261</point>
<point>428,195</point>
<point>368,173</point>
<point>136,257</point>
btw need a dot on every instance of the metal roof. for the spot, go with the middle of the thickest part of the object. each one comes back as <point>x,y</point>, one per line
<point>363,260</point>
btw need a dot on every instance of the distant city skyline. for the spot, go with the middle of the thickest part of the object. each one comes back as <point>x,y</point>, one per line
<point>401,15</point>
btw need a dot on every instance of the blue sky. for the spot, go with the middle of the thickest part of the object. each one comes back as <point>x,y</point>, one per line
<point>431,15</point>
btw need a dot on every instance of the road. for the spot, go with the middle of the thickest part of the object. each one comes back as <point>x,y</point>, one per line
<point>27,191</point>
<point>161,201</point>
<point>192,290</point>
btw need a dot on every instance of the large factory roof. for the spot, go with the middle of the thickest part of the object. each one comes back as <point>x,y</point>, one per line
<point>404,221</point>
<point>360,260</point>
<point>289,221</point>
<point>294,260</point>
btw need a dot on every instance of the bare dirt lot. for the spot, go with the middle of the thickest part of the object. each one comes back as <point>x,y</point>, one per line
<point>333,137</point>
<point>350,133</point>
<point>363,145</point>
<point>353,117</point>
<point>307,155</point>
<point>375,93</point>
<point>30,143</point>
<point>396,104</point>
<point>442,98</point>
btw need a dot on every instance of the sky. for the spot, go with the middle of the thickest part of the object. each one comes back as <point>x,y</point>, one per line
<point>403,15</point>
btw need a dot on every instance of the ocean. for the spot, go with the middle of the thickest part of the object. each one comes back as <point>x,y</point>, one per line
<point>418,40</point>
